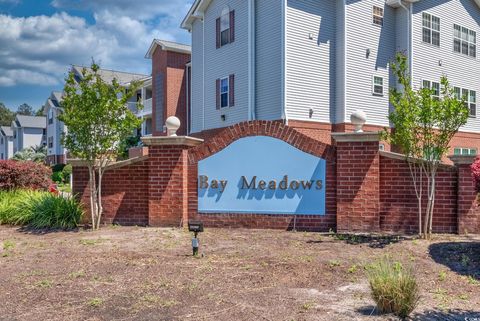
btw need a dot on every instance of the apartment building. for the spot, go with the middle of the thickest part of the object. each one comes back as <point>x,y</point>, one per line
<point>6,142</point>
<point>28,131</point>
<point>311,64</point>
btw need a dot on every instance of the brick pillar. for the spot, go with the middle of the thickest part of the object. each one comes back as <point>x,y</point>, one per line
<point>468,213</point>
<point>358,179</point>
<point>168,178</point>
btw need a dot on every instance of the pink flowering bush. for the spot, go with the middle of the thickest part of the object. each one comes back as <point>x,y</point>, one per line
<point>24,175</point>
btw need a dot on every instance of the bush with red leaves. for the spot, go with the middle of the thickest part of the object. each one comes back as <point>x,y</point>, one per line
<point>475,167</point>
<point>24,174</point>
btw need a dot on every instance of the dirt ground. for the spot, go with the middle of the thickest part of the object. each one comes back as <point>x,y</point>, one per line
<point>136,273</point>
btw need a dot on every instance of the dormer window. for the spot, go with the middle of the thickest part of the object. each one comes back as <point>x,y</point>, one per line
<point>225,27</point>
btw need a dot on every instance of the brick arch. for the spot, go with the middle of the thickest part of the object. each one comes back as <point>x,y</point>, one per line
<point>275,129</point>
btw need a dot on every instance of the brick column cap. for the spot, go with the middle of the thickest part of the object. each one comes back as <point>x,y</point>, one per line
<point>462,159</point>
<point>171,140</point>
<point>356,137</point>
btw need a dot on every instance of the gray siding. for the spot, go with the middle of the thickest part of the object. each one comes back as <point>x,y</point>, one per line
<point>268,59</point>
<point>222,62</point>
<point>196,124</point>
<point>462,71</point>
<point>363,35</point>
<point>310,59</point>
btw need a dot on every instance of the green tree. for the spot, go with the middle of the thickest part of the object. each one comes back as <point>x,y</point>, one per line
<point>423,126</point>
<point>6,115</point>
<point>40,111</point>
<point>97,118</point>
<point>25,109</point>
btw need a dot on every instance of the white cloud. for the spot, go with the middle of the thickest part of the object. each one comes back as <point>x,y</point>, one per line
<point>39,49</point>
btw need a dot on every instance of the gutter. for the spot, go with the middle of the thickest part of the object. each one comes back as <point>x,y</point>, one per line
<point>251,60</point>
<point>410,42</point>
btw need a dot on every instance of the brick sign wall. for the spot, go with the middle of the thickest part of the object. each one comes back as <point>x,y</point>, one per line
<point>366,190</point>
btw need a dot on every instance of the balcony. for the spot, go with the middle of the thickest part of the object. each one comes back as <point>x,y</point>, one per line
<point>147,108</point>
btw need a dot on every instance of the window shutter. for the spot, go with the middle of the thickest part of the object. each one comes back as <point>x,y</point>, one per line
<point>232,26</point>
<point>231,90</point>
<point>217,94</point>
<point>218,32</point>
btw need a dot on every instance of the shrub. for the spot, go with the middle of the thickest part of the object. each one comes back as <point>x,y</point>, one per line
<point>16,206</point>
<point>475,167</point>
<point>39,209</point>
<point>66,172</point>
<point>58,167</point>
<point>57,177</point>
<point>24,175</point>
<point>51,211</point>
<point>394,288</point>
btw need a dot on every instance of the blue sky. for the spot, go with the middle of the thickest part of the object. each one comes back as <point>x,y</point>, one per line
<point>40,39</point>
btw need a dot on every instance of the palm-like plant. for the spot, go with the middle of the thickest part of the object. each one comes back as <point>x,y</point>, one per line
<point>36,154</point>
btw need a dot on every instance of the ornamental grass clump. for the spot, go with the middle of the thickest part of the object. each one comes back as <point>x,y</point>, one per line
<point>39,210</point>
<point>52,211</point>
<point>394,288</point>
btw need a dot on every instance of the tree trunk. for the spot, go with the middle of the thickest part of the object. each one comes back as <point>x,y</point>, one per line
<point>99,197</point>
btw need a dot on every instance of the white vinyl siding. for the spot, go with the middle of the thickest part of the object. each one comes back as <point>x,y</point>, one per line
<point>268,60</point>
<point>310,60</point>
<point>226,60</point>
<point>196,122</point>
<point>368,54</point>
<point>428,64</point>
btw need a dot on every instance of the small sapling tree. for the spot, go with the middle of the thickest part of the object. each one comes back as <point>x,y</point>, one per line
<point>97,119</point>
<point>424,122</point>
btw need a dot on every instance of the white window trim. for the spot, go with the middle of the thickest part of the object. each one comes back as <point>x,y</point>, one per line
<point>468,99</point>
<point>373,86</point>
<point>382,17</point>
<point>468,41</point>
<point>465,149</point>
<point>228,91</point>
<point>431,30</point>
<point>431,86</point>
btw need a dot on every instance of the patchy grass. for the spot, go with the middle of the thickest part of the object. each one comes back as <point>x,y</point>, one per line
<point>136,273</point>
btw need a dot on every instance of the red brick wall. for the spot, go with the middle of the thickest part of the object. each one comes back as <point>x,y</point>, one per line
<point>125,197</point>
<point>398,202</point>
<point>358,186</point>
<point>172,66</point>
<point>167,185</point>
<point>468,209</point>
<point>366,191</point>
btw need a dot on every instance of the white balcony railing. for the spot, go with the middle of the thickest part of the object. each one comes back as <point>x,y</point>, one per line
<point>147,107</point>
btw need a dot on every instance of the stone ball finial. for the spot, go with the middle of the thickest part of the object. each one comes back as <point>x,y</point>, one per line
<point>173,124</point>
<point>358,119</point>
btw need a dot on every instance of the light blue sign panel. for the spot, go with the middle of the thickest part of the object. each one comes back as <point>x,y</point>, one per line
<point>262,175</point>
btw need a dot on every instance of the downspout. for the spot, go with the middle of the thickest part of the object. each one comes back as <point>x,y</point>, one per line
<point>203,71</point>
<point>345,42</point>
<point>409,33</point>
<point>284,62</point>
<point>251,60</point>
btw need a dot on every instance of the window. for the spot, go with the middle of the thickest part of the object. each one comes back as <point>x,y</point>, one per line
<point>378,86</point>
<point>50,142</point>
<point>225,27</point>
<point>50,117</point>
<point>431,29</point>
<point>464,41</point>
<point>470,97</point>
<point>434,87</point>
<point>14,134</point>
<point>464,151</point>
<point>224,92</point>
<point>378,15</point>
<point>1,141</point>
